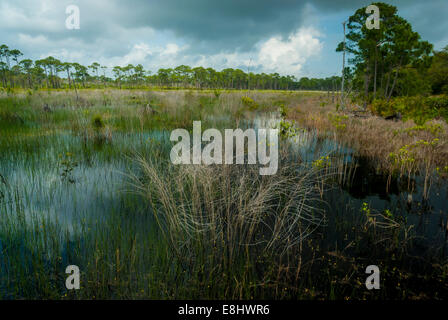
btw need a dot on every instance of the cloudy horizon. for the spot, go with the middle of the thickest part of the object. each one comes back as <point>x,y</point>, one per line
<point>288,37</point>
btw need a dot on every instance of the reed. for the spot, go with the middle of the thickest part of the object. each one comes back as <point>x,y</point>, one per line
<point>222,221</point>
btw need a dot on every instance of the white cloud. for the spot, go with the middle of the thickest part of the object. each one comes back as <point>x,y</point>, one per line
<point>39,40</point>
<point>285,56</point>
<point>147,54</point>
<point>288,56</point>
<point>171,49</point>
<point>65,55</point>
<point>39,16</point>
<point>137,55</point>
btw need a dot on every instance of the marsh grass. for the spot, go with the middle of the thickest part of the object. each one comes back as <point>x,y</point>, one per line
<point>228,225</point>
<point>399,149</point>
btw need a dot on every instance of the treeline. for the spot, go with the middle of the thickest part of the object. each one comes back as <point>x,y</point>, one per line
<point>53,73</point>
<point>392,61</point>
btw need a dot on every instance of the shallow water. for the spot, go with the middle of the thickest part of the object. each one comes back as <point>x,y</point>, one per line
<point>34,184</point>
<point>428,217</point>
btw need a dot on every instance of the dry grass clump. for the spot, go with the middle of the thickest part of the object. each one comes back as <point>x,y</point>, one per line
<point>227,222</point>
<point>231,204</point>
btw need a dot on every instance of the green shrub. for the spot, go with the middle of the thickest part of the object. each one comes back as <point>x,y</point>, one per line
<point>338,121</point>
<point>418,108</point>
<point>249,102</point>
<point>97,122</point>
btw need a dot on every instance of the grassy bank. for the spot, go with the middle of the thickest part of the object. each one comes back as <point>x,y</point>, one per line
<point>397,148</point>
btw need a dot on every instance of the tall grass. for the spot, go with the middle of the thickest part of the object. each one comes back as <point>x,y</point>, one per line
<point>228,225</point>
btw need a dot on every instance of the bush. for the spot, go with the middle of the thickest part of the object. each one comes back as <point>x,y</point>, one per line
<point>249,102</point>
<point>418,108</point>
<point>97,122</point>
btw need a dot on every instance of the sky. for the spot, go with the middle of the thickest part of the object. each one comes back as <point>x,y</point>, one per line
<point>290,37</point>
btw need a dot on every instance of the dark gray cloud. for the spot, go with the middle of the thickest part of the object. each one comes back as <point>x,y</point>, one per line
<point>229,24</point>
<point>211,25</point>
<point>216,25</point>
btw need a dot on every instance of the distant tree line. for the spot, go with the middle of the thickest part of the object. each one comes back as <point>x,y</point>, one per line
<point>53,73</point>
